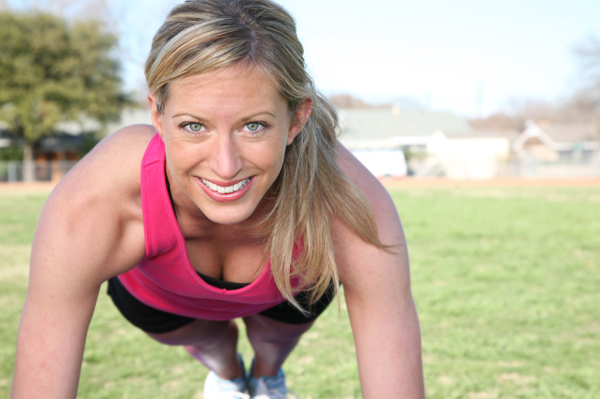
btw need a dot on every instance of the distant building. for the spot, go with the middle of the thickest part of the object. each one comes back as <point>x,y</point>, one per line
<point>394,128</point>
<point>557,141</point>
<point>433,143</point>
<point>131,116</point>
<point>558,150</point>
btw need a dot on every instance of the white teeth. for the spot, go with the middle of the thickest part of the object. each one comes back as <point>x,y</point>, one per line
<point>228,189</point>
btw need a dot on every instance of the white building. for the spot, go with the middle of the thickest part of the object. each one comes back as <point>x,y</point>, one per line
<point>436,143</point>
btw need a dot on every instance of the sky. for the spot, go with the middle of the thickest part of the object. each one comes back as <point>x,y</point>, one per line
<point>469,57</point>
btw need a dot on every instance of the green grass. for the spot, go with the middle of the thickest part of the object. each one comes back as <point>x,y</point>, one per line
<point>506,281</point>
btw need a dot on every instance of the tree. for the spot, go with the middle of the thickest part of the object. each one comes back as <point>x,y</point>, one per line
<point>51,71</point>
<point>584,104</point>
<point>348,101</point>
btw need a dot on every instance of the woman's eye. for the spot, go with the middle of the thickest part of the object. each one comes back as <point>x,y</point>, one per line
<point>195,127</point>
<point>253,126</point>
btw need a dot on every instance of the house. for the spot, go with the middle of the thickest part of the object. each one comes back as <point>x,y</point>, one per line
<point>434,143</point>
<point>471,156</point>
<point>558,150</point>
<point>557,141</point>
<point>395,128</point>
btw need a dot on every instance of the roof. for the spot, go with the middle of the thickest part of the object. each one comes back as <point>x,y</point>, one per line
<point>59,142</point>
<point>559,137</point>
<point>77,127</point>
<point>131,116</point>
<point>388,123</point>
<point>574,133</point>
<point>533,134</point>
<point>510,135</point>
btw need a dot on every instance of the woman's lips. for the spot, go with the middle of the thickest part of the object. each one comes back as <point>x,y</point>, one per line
<point>225,192</point>
<point>228,189</point>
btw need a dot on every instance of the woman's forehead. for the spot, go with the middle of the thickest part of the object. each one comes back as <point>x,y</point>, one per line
<point>234,82</point>
<point>229,87</point>
<point>239,74</point>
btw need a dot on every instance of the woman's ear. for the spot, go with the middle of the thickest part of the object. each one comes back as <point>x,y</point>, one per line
<point>300,118</point>
<point>155,114</point>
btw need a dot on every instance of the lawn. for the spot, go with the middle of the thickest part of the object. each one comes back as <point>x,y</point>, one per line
<point>506,281</point>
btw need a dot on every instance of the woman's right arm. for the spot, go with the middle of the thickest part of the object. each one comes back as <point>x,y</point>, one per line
<point>90,230</point>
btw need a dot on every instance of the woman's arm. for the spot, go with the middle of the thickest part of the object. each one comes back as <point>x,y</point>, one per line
<point>380,304</point>
<point>90,230</point>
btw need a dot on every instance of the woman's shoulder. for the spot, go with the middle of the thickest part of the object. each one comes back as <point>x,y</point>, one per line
<point>108,176</point>
<point>114,163</point>
<point>379,198</point>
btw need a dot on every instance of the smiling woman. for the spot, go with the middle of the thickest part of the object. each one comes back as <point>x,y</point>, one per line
<point>225,128</point>
<point>237,203</point>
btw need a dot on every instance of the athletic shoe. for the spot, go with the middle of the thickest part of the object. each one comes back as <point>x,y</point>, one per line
<point>220,388</point>
<point>269,387</point>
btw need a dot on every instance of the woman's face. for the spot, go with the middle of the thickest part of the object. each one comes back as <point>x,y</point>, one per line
<point>225,134</point>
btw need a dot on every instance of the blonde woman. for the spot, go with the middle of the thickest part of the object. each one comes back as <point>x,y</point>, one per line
<point>237,203</point>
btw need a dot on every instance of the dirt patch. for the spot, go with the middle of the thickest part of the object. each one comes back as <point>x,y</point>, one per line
<point>25,188</point>
<point>498,182</point>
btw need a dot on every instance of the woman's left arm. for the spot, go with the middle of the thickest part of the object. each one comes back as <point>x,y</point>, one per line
<point>378,296</point>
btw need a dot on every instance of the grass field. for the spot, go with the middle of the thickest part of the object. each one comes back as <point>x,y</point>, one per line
<point>506,281</point>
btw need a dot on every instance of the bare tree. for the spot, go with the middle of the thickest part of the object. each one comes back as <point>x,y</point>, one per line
<point>581,106</point>
<point>348,101</point>
<point>588,54</point>
<point>585,102</point>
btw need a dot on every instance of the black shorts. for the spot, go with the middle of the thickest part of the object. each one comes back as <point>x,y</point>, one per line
<point>157,321</point>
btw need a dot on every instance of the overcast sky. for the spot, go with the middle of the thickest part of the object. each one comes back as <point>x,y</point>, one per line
<point>439,52</point>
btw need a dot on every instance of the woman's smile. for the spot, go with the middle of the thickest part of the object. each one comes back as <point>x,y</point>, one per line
<point>225,189</point>
<point>226,192</point>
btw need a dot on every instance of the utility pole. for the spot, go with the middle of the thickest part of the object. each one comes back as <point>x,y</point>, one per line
<point>479,101</point>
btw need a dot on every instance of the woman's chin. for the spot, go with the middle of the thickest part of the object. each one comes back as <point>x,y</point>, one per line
<point>228,217</point>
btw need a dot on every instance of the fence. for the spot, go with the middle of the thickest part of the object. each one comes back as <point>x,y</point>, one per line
<point>12,171</point>
<point>569,166</point>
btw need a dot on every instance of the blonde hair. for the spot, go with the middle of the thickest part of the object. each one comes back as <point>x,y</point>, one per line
<point>311,191</point>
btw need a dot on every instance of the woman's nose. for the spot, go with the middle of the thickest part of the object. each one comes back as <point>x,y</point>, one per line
<point>225,159</point>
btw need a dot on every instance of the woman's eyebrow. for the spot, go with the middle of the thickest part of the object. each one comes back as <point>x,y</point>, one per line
<point>260,113</point>
<point>187,115</point>
<point>249,117</point>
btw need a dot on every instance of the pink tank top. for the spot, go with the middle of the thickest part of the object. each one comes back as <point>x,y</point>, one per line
<point>165,279</point>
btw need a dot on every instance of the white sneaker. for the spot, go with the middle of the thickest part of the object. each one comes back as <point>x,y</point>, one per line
<point>220,388</point>
<point>269,387</point>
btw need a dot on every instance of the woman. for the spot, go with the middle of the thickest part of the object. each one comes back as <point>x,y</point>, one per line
<point>245,207</point>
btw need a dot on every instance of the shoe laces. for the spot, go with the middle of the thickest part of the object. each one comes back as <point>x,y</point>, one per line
<point>234,395</point>
<point>225,389</point>
<point>276,391</point>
